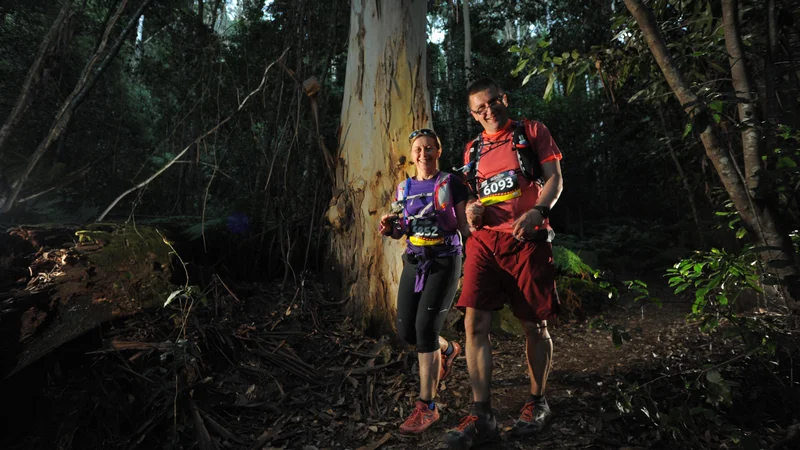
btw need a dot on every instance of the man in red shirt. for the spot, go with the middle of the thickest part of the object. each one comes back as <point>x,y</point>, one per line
<point>509,258</point>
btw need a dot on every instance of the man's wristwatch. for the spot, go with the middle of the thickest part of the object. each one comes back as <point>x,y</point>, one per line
<point>544,210</point>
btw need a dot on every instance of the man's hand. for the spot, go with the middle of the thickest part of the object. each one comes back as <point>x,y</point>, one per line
<point>527,224</point>
<point>387,224</point>
<point>474,212</point>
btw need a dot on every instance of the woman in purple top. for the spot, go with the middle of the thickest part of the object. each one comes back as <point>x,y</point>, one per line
<point>429,212</point>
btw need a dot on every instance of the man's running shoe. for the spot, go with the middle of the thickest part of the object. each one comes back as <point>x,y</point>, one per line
<point>472,431</point>
<point>534,416</point>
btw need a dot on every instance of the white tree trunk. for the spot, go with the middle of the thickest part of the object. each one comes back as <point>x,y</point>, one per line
<point>385,98</point>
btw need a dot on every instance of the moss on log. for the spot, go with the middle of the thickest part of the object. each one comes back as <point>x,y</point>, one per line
<point>60,282</point>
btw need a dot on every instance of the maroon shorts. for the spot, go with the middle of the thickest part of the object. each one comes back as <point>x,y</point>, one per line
<point>500,269</point>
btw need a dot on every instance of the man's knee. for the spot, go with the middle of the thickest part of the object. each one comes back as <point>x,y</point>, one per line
<point>536,331</point>
<point>477,322</point>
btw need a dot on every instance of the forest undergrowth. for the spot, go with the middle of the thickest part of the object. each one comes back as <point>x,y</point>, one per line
<point>281,366</point>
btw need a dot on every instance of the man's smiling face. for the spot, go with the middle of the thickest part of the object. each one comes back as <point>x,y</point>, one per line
<point>489,107</point>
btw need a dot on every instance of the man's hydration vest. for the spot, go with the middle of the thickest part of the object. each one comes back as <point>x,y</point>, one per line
<point>436,221</point>
<point>526,155</point>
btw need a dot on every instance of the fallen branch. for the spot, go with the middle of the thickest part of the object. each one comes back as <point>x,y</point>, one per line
<point>220,430</point>
<point>377,443</point>
<point>365,369</point>
<point>204,440</point>
<point>195,141</point>
<point>79,174</point>
<point>268,435</point>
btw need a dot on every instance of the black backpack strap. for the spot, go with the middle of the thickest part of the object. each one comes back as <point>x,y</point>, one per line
<point>526,154</point>
<point>471,169</point>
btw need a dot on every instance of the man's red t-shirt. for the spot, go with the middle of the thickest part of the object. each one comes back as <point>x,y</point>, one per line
<point>498,155</point>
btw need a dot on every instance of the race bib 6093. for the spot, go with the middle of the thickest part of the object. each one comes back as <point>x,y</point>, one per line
<point>499,188</point>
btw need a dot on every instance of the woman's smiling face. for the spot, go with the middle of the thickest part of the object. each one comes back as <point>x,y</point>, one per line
<point>425,153</point>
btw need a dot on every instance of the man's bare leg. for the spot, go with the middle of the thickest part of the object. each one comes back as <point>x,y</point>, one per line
<point>539,353</point>
<point>481,426</point>
<point>479,352</point>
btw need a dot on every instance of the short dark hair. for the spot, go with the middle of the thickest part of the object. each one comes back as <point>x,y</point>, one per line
<point>482,84</point>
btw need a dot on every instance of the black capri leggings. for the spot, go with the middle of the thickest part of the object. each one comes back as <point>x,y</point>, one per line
<point>421,315</point>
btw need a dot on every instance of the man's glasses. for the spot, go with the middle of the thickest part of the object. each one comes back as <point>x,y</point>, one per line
<point>422,132</point>
<point>495,101</point>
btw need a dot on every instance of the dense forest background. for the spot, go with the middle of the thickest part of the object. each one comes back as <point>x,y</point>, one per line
<point>220,122</point>
<point>182,69</point>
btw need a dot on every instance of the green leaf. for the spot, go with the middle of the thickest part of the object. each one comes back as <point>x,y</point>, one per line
<point>637,95</point>
<point>570,83</point>
<point>173,296</point>
<point>740,233</point>
<point>520,65</point>
<point>716,106</point>
<point>527,78</point>
<point>716,66</point>
<point>784,162</point>
<point>575,55</point>
<point>548,91</point>
<point>557,60</point>
<point>687,130</point>
<point>514,49</point>
<point>565,56</point>
<point>582,68</point>
<point>714,376</point>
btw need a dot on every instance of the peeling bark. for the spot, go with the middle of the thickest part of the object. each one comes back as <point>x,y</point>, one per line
<point>387,98</point>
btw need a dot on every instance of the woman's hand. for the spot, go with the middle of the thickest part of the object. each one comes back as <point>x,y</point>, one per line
<point>387,224</point>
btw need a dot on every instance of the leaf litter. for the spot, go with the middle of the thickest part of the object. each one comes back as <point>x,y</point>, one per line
<point>277,367</point>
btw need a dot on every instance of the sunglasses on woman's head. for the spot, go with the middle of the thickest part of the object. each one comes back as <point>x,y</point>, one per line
<point>421,132</point>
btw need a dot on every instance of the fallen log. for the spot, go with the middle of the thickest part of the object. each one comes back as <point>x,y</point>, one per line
<point>57,283</point>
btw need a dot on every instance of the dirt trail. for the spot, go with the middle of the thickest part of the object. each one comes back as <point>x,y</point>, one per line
<point>586,366</point>
<point>283,368</point>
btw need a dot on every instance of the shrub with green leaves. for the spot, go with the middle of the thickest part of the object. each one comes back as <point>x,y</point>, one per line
<point>718,278</point>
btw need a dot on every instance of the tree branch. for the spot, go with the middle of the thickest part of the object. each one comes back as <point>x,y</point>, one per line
<point>84,85</point>
<point>34,74</point>
<point>748,113</point>
<point>194,142</point>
